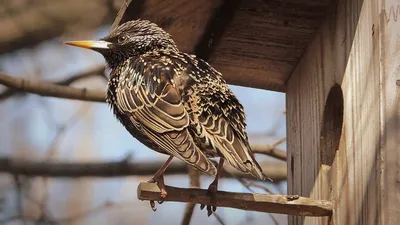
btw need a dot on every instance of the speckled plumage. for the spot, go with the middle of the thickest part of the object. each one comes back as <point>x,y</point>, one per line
<point>173,102</point>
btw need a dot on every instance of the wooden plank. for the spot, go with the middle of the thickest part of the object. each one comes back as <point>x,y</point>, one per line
<point>283,204</point>
<point>390,110</point>
<point>346,52</point>
<point>265,40</point>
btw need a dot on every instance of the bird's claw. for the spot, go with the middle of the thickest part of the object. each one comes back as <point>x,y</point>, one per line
<point>210,208</point>
<point>153,205</point>
<point>160,183</point>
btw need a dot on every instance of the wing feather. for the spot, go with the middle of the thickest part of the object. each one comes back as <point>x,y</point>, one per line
<point>218,118</point>
<point>154,105</point>
<point>231,146</point>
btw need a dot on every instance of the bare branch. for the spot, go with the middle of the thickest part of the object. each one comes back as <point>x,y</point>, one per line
<point>219,219</point>
<point>45,88</point>
<point>248,185</point>
<point>273,219</point>
<point>121,13</point>
<point>269,150</point>
<point>282,204</point>
<point>99,71</point>
<point>20,202</point>
<point>276,171</point>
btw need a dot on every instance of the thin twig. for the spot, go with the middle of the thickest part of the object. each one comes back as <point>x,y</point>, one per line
<point>273,219</point>
<point>269,150</point>
<point>248,185</point>
<point>120,15</point>
<point>219,218</point>
<point>20,201</point>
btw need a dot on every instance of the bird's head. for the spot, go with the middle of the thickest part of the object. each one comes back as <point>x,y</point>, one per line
<point>130,39</point>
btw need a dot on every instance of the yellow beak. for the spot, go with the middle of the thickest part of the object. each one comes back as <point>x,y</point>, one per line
<point>90,44</point>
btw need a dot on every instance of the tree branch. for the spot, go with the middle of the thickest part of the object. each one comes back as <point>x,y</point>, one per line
<point>99,71</point>
<point>276,171</point>
<point>45,88</point>
<point>282,204</point>
<point>121,13</point>
<point>269,150</point>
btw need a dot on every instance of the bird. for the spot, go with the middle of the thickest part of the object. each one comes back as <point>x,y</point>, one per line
<point>173,102</point>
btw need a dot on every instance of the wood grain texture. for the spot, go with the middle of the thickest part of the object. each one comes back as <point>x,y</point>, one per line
<point>265,40</point>
<point>260,44</point>
<point>283,204</point>
<point>390,111</point>
<point>356,49</point>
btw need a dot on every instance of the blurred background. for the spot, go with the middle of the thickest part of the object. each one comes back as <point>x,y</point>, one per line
<point>52,129</point>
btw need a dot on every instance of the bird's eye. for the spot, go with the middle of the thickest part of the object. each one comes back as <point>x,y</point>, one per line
<point>121,38</point>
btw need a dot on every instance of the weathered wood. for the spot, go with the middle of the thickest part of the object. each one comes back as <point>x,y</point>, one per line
<point>283,204</point>
<point>265,40</point>
<point>216,27</point>
<point>257,45</point>
<point>357,49</point>
<point>390,112</point>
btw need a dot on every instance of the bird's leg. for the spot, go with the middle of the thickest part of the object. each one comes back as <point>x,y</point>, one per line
<point>158,178</point>
<point>213,188</point>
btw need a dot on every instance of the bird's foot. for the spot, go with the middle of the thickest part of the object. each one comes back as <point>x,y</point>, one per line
<point>212,192</point>
<point>159,180</point>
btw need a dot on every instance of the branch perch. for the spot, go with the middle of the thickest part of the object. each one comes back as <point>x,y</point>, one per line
<point>282,204</point>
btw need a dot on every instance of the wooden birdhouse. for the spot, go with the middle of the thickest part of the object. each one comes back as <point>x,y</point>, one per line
<point>338,63</point>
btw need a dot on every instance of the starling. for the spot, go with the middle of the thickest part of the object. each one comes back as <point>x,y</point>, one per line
<point>173,102</point>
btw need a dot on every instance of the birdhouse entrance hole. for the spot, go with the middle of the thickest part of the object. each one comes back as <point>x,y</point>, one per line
<point>330,136</point>
<point>332,125</point>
